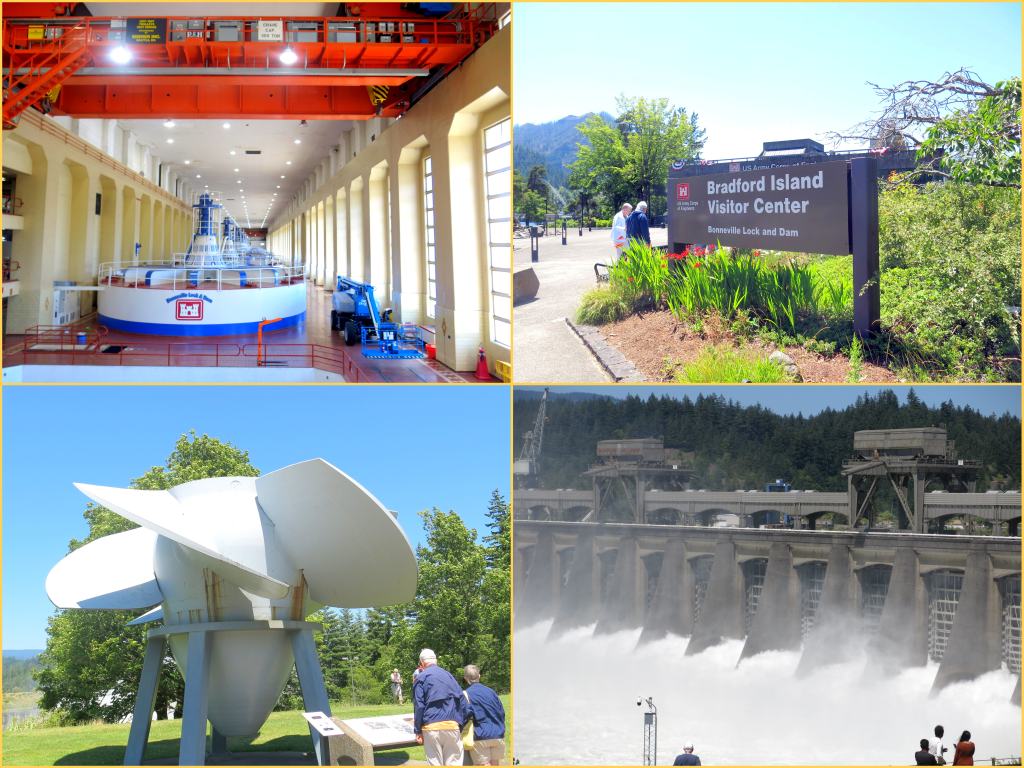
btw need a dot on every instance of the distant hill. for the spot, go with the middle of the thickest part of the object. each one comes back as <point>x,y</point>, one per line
<point>23,653</point>
<point>552,145</point>
<point>738,446</point>
<point>17,673</point>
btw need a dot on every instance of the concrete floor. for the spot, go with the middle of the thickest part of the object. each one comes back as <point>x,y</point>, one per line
<point>545,349</point>
<point>280,344</point>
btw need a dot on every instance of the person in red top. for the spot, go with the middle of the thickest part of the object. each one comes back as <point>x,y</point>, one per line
<point>964,754</point>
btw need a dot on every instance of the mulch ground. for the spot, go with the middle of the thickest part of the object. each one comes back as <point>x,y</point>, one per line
<point>656,341</point>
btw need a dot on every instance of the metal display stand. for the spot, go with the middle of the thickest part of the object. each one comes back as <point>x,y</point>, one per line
<point>192,750</point>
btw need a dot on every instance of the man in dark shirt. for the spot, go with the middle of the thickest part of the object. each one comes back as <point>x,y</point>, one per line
<point>636,225</point>
<point>440,710</point>
<point>924,757</point>
<point>488,720</point>
<point>687,758</point>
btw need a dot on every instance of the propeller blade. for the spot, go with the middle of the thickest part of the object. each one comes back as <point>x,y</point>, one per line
<point>84,579</point>
<point>162,512</point>
<point>157,614</point>
<point>352,552</point>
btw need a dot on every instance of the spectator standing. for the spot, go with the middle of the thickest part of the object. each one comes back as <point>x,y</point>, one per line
<point>488,720</point>
<point>924,755</point>
<point>687,758</point>
<point>637,227</point>
<point>964,754</point>
<point>440,711</point>
<point>619,237</point>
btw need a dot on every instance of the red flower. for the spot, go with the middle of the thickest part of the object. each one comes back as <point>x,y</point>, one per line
<point>630,279</point>
<point>711,249</point>
<point>696,265</point>
<point>757,253</point>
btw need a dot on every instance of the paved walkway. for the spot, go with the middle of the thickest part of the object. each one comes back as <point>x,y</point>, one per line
<point>545,349</point>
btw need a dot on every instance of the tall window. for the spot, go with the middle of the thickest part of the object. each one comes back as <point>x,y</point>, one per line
<point>498,170</point>
<point>428,217</point>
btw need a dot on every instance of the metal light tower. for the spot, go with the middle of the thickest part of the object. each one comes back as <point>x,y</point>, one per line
<point>650,731</point>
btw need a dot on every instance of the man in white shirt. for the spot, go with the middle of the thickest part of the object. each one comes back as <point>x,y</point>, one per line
<point>936,747</point>
<point>619,239</point>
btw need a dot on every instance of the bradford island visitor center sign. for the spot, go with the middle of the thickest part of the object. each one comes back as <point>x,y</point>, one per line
<point>801,208</point>
<point>805,202</point>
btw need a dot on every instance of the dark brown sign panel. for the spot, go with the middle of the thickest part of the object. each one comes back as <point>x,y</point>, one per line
<point>146,30</point>
<point>796,208</point>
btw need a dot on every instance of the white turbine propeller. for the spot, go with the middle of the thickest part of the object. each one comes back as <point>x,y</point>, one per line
<point>241,549</point>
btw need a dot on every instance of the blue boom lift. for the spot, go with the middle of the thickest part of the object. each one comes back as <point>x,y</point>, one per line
<point>354,312</point>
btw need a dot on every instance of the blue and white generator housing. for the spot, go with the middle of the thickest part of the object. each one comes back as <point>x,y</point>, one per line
<point>219,286</point>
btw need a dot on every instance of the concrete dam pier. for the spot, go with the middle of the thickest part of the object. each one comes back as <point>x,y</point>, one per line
<point>909,597</point>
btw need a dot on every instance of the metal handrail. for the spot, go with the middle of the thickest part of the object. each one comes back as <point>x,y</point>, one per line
<point>459,31</point>
<point>184,276</point>
<point>185,353</point>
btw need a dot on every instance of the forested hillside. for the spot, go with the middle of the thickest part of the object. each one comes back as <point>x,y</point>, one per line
<point>738,446</point>
<point>18,674</point>
<point>552,145</point>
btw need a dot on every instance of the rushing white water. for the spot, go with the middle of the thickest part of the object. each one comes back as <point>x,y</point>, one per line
<point>575,703</point>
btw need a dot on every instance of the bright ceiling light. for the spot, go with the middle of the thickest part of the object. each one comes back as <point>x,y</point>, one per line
<point>287,162</point>
<point>225,126</point>
<point>239,181</point>
<point>288,56</point>
<point>278,186</point>
<point>120,55</point>
<point>170,141</point>
<point>188,162</point>
<point>282,175</point>
<point>298,141</point>
<point>169,123</point>
<point>233,152</point>
<point>198,176</point>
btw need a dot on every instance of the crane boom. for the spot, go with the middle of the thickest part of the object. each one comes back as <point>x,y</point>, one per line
<point>527,465</point>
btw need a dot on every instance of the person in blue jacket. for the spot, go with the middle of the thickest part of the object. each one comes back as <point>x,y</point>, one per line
<point>488,720</point>
<point>440,711</point>
<point>637,227</point>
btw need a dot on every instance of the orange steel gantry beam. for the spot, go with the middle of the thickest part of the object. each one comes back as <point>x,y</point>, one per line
<point>184,67</point>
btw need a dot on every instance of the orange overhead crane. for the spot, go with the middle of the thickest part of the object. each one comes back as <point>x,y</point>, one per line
<point>231,66</point>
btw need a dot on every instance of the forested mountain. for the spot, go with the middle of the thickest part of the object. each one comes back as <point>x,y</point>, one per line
<point>17,674</point>
<point>738,446</point>
<point>552,145</point>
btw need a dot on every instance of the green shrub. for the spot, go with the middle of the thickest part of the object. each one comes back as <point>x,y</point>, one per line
<point>950,258</point>
<point>724,364</point>
<point>602,305</point>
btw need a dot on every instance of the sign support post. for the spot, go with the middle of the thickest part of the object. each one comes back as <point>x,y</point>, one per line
<point>864,244</point>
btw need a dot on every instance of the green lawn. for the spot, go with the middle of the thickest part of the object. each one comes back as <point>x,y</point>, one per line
<point>104,744</point>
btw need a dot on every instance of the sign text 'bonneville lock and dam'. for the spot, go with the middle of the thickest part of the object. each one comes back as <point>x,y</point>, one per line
<point>799,208</point>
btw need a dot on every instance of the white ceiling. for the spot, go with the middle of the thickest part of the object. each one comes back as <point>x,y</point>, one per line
<point>208,146</point>
<point>213,9</point>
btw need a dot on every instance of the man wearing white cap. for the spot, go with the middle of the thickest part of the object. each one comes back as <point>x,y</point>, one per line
<point>440,711</point>
<point>687,758</point>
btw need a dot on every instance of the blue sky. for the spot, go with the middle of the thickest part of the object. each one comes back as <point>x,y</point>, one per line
<point>751,71</point>
<point>810,399</point>
<point>412,447</point>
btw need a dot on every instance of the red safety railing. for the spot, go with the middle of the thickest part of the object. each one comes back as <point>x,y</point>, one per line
<point>62,345</point>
